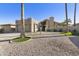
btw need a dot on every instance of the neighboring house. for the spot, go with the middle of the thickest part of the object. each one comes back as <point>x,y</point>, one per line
<point>30,25</point>
<point>49,24</point>
<point>33,26</point>
<point>7,28</point>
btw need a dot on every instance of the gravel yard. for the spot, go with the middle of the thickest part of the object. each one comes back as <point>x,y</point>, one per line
<point>51,46</point>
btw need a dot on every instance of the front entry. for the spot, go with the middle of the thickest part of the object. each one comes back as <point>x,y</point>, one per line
<point>43,28</point>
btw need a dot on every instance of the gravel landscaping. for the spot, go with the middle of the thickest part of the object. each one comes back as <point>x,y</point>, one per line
<point>51,46</point>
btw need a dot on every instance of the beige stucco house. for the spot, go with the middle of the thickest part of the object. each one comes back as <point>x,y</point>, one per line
<point>49,24</point>
<point>30,25</point>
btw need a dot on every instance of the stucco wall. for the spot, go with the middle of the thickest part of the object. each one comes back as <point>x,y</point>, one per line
<point>30,25</point>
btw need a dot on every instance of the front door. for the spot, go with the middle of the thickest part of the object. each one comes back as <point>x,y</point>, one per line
<point>43,28</point>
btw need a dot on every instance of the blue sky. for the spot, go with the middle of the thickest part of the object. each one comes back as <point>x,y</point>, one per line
<point>10,12</point>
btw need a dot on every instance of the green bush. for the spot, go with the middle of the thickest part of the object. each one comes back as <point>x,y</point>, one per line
<point>68,33</point>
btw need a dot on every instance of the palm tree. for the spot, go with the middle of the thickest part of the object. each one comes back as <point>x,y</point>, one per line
<point>22,21</point>
<point>66,16</point>
<point>74,15</point>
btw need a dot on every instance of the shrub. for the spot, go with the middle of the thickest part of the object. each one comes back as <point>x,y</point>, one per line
<point>68,33</point>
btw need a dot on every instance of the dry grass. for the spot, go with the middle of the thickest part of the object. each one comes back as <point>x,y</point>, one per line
<point>19,39</point>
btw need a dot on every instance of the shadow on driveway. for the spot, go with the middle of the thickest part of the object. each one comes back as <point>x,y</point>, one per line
<point>75,40</point>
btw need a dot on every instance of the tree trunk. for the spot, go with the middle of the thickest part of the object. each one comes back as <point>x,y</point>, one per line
<point>74,16</point>
<point>22,21</point>
<point>66,16</point>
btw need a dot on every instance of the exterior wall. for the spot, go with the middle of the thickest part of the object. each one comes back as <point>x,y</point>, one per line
<point>30,25</point>
<point>50,25</point>
<point>18,28</point>
<point>34,27</point>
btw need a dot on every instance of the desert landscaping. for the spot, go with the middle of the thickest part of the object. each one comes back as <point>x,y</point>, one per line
<point>44,44</point>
